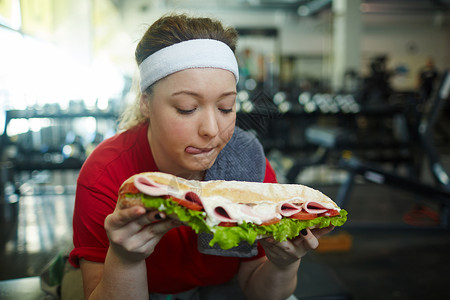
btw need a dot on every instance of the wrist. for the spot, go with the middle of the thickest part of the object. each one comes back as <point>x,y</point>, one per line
<point>120,257</point>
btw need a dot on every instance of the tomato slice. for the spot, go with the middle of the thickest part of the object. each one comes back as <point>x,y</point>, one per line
<point>228,224</point>
<point>303,216</point>
<point>186,203</point>
<point>329,213</point>
<point>270,222</point>
<point>129,188</point>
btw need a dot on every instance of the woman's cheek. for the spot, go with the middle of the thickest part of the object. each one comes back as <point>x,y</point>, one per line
<point>180,129</point>
<point>229,127</point>
<point>227,132</point>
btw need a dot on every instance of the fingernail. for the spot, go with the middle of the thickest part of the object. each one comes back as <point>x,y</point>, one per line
<point>304,232</point>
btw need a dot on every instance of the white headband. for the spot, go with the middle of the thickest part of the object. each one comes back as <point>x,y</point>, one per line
<point>200,53</point>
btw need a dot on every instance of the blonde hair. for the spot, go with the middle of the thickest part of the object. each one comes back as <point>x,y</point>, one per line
<point>132,115</point>
<point>166,31</point>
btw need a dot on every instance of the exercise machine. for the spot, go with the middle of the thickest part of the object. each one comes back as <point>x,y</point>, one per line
<point>420,143</point>
<point>438,192</point>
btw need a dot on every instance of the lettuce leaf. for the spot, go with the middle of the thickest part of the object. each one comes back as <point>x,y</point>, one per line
<point>195,219</point>
<point>282,231</point>
<point>229,237</point>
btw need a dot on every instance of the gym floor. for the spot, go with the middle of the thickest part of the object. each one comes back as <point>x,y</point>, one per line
<point>383,252</point>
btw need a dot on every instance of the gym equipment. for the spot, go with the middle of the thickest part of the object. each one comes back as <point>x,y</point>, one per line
<point>343,110</point>
<point>332,139</point>
<point>438,192</point>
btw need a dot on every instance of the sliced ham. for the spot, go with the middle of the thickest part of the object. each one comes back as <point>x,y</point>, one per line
<point>313,207</point>
<point>288,209</point>
<point>220,209</point>
<point>221,214</point>
<point>154,189</point>
<point>149,187</point>
<point>193,197</point>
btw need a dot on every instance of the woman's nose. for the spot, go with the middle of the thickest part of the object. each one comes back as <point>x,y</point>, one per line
<point>209,124</point>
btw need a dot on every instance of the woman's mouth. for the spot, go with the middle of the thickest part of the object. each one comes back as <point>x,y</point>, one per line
<point>194,150</point>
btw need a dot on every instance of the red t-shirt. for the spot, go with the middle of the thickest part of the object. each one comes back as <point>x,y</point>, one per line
<point>175,265</point>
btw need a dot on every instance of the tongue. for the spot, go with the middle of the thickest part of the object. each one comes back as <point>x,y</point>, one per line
<point>192,150</point>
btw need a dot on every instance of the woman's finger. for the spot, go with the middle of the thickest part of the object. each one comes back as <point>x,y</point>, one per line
<point>151,217</point>
<point>288,252</point>
<point>139,237</point>
<point>160,228</point>
<point>273,246</point>
<point>149,235</point>
<point>309,239</point>
<point>319,232</point>
<point>120,218</point>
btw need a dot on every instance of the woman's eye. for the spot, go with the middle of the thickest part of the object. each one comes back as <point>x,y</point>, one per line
<point>226,110</point>
<point>185,111</point>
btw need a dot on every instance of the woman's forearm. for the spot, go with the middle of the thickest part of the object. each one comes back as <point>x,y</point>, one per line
<point>121,280</point>
<point>271,282</point>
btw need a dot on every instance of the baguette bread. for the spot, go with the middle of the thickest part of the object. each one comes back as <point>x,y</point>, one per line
<point>252,209</point>
<point>234,191</point>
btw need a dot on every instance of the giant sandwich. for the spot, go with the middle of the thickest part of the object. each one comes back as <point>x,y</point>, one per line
<point>233,211</point>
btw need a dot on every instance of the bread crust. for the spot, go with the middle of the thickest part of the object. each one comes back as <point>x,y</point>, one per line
<point>125,202</point>
<point>250,193</point>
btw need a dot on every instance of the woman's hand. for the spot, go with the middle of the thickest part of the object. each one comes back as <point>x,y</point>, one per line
<point>134,232</point>
<point>284,254</point>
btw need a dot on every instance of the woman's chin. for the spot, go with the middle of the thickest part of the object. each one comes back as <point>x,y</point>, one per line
<point>201,164</point>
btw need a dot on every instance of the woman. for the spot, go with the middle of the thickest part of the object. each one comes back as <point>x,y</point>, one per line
<point>183,124</point>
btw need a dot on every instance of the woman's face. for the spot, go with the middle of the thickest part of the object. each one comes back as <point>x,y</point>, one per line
<point>192,117</point>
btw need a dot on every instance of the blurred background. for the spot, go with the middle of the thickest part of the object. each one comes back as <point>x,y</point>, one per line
<point>347,96</point>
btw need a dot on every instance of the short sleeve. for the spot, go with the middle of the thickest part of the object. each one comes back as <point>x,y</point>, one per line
<point>89,236</point>
<point>270,175</point>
